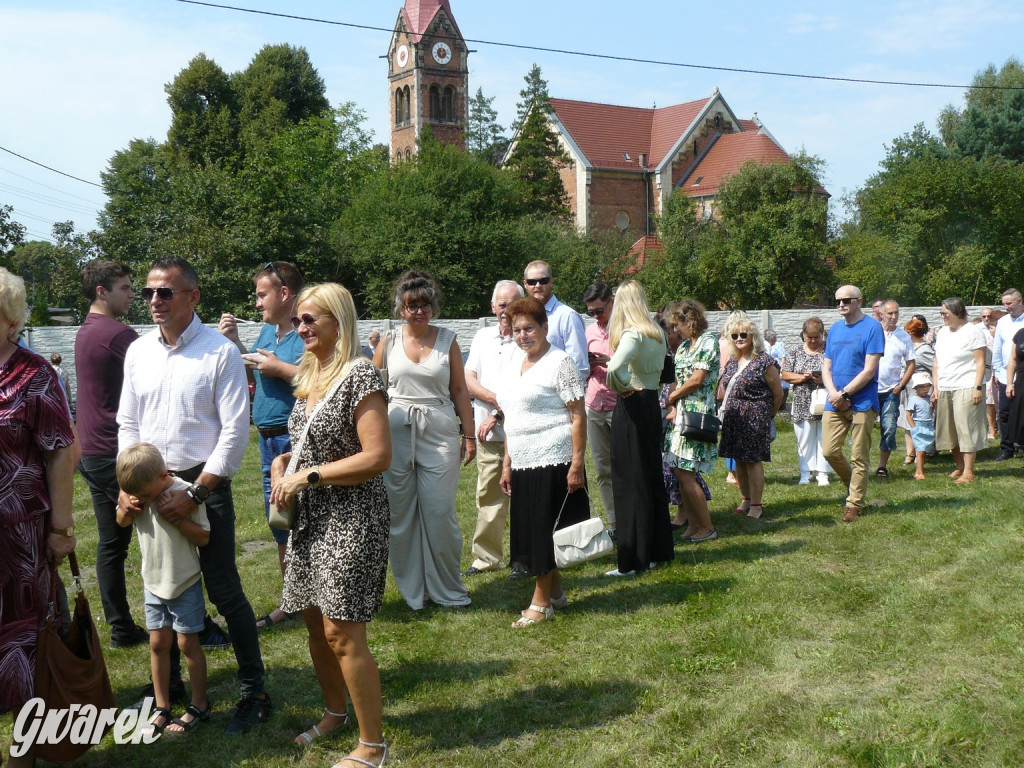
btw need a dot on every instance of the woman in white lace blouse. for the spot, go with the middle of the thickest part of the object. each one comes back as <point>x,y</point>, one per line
<point>545,441</point>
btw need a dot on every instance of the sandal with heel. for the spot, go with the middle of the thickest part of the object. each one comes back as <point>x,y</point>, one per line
<point>306,737</point>
<point>383,758</point>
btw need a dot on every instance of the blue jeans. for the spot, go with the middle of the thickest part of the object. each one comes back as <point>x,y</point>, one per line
<point>889,405</point>
<point>270,449</point>
<point>100,475</point>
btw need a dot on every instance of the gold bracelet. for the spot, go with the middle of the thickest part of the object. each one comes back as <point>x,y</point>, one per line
<point>66,532</point>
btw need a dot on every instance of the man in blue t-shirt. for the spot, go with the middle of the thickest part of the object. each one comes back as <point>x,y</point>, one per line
<point>271,365</point>
<point>850,374</point>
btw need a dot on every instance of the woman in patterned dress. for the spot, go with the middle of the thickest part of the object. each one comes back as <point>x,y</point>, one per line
<point>803,371</point>
<point>753,395</point>
<point>337,557</point>
<point>37,464</point>
<point>696,379</point>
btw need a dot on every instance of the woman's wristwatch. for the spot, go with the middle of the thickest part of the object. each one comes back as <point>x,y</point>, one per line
<point>68,532</point>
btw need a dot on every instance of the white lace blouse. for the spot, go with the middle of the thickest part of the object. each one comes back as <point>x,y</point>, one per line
<point>537,423</point>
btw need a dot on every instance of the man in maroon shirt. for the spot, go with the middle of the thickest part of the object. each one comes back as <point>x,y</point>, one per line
<point>99,364</point>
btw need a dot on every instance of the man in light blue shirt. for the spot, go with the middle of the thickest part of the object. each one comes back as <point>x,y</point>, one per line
<point>565,326</point>
<point>1002,347</point>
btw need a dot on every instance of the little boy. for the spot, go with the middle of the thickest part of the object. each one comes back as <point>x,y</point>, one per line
<point>171,577</point>
<point>921,420</point>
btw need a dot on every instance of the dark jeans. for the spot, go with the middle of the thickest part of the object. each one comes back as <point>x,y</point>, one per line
<point>100,475</point>
<point>1003,419</point>
<point>224,586</point>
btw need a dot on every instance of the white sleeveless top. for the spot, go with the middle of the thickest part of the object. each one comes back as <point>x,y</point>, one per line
<point>425,383</point>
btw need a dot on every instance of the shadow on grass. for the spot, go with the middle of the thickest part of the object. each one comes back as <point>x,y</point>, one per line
<point>407,677</point>
<point>531,709</point>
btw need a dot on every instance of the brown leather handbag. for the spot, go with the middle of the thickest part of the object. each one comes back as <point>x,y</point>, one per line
<point>70,667</point>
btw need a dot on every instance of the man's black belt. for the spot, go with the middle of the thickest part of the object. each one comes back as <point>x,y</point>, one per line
<point>273,431</point>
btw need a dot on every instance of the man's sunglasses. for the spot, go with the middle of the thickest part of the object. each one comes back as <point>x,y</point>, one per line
<point>270,265</point>
<point>165,294</point>
<point>306,319</point>
<point>739,336</point>
<point>538,280</point>
<point>597,312</point>
<point>847,300</point>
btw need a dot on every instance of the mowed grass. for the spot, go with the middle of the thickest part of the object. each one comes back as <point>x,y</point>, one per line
<point>795,640</point>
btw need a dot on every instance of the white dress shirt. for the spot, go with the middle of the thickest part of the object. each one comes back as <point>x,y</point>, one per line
<point>191,400</point>
<point>487,355</point>
<point>1006,328</point>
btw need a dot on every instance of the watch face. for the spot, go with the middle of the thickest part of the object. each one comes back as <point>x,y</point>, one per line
<point>442,53</point>
<point>402,56</point>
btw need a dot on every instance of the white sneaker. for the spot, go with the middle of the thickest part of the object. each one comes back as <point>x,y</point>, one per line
<point>617,572</point>
<point>805,478</point>
<point>822,478</point>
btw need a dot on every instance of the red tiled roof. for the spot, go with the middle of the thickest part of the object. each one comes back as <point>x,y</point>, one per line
<point>604,131</point>
<point>726,157</point>
<point>420,13</point>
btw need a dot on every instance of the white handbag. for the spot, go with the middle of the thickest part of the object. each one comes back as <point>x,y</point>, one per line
<point>581,542</point>
<point>818,399</point>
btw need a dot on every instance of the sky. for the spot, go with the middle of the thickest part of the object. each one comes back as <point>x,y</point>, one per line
<point>82,78</point>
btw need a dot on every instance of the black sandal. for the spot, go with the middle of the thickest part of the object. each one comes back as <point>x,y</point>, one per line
<point>198,716</point>
<point>882,472</point>
<point>157,728</point>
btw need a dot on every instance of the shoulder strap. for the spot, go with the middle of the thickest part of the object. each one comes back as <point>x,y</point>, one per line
<point>293,462</point>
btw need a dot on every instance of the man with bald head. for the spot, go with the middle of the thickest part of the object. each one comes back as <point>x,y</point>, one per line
<point>850,374</point>
<point>894,371</point>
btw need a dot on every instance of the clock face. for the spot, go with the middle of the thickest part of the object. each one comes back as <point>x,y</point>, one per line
<point>402,56</point>
<point>442,53</point>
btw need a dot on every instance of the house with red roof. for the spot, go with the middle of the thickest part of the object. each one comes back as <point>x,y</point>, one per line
<point>626,162</point>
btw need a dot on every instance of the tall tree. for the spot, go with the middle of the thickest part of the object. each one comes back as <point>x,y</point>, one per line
<point>484,136</point>
<point>11,232</point>
<point>535,92</point>
<point>987,101</point>
<point>204,127</point>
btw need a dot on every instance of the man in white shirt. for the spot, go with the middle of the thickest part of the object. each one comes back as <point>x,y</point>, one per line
<point>490,349</point>
<point>185,392</point>
<point>1002,348</point>
<point>565,326</point>
<point>894,372</point>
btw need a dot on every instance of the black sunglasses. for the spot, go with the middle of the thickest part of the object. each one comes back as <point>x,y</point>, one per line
<point>538,280</point>
<point>165,294</point>
<point>739,336</point>
<point>597,312</point>
<point>847,300</point>
<point>306,319</point>
<point>270,265</point>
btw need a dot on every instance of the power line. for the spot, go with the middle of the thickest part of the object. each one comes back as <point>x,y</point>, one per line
<point>609,57</point>
<point>35,197</point>
<point>34,162</point>
<point>55,189</point>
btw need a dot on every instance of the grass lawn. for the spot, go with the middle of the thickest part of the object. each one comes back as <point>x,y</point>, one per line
<point>795,640</point>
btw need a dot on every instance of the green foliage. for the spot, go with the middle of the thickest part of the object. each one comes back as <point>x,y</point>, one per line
<point>484,136</point>
<point>535,93</point>
<point>765,247</point>
<point>52,271</point>
<point>535,160</point>
<point>11,232</point>
<point>991,124</point>
<point>204,120</point>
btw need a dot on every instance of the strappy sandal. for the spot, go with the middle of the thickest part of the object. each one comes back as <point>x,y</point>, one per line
<point>560,602</point>
<point>740,510</point>
<point>383,758</point>
<point>760,511</point>
<point>308,738</point>
<point>153,728</point>
<point>199,716</point>
<point>525,621</point>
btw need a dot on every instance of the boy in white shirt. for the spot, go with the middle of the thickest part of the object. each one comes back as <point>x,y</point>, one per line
<point>171,577</point>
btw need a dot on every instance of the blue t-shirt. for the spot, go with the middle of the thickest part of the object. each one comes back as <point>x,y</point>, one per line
<point>847,347</point>
<point>920,408</point>
<point>273,402</point>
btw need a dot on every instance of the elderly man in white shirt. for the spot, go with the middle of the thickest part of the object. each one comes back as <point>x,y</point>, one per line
<point>1002,348</point>
<point>185,392</point>
<point>894,371</point>
<point>490,348</point>
<point>565,326</point>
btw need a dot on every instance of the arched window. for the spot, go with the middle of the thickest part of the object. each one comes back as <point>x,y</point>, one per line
<point>408,105</point>
<point>448,105</point>
<point>435,103</point>
<point>399,106</point>
<point>408,153</point>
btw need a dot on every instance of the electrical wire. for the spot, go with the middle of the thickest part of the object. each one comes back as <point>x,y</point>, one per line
<point>609,57</point>
<point>41,165</point>
<point>55,189</point>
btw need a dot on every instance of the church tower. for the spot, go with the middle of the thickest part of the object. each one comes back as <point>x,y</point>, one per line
<point>428,77</point>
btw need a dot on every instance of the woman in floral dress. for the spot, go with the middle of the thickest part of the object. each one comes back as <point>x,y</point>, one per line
<point>696,379</point>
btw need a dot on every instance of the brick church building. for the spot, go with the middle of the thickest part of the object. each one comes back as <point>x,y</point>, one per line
<point>625,162</point>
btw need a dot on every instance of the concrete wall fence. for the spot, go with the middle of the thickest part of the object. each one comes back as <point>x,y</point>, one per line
<point>786,322</point>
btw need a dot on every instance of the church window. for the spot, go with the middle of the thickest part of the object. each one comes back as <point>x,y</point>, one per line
<point>448,105</point>
<point>399,106</point>
<point>408,153</point>
<point>435,103</point>
<point>408,105</point>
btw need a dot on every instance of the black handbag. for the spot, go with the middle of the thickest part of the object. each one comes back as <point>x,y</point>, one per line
<point>70,668</point>
<point>702,427</point>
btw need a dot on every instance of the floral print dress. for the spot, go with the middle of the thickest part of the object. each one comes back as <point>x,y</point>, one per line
<point>694,354</point>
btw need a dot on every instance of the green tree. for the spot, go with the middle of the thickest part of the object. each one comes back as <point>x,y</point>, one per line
<point>484,136</point>
<point>535,160</point>
<point>11,232</point>
<point>765,247</point>
<point>535,93</point>
<point>990,112</point>
<point>204,128</point>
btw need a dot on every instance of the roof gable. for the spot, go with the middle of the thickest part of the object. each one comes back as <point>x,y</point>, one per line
<point>725,158</point>
<point>419,14</point>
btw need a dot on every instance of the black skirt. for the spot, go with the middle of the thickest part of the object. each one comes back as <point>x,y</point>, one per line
<point>642,523</point>
<point>537,495</point>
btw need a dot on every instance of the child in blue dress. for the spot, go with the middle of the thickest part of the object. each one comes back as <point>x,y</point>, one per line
<point>921,418</point>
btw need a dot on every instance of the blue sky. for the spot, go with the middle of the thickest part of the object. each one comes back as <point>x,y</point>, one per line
<point>82,79</point>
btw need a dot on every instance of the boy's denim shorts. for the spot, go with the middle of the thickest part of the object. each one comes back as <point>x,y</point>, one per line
<point>185,613</point>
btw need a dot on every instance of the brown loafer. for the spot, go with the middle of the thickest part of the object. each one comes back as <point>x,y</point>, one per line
<point>850,514</point>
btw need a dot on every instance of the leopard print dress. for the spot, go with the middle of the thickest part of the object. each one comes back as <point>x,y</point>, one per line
<point>338,551</point>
